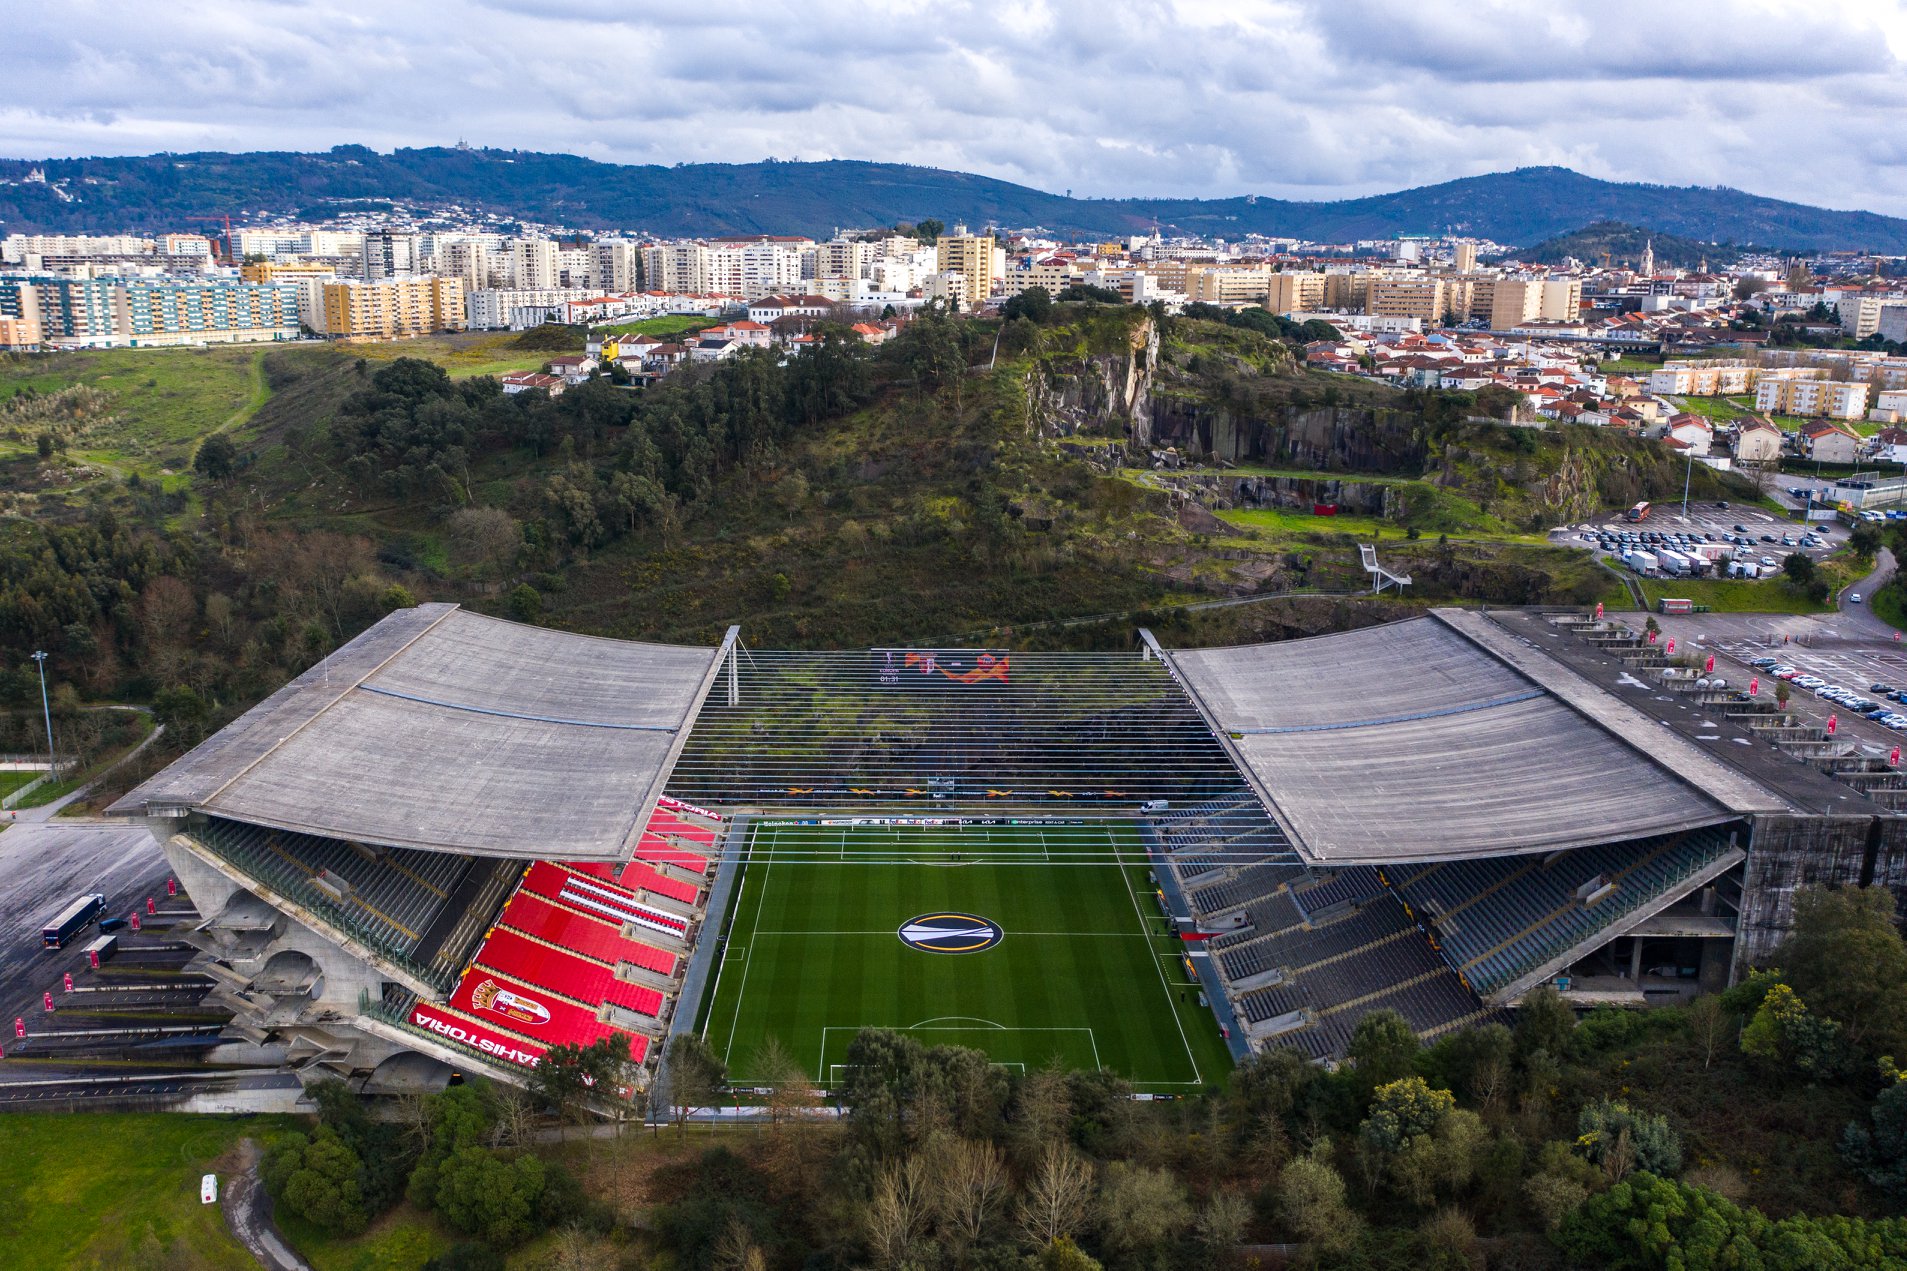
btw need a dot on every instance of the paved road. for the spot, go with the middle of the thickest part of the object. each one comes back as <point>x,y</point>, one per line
<point>1857,619</point>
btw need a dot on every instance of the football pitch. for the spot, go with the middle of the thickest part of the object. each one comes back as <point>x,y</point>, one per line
<point>1031,942</point>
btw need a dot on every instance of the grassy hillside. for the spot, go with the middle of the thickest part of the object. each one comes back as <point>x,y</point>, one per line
<point>119,412</point>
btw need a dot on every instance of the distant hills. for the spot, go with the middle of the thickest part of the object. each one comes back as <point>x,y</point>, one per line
<point>1526,206</point>
<point>1625,244</point>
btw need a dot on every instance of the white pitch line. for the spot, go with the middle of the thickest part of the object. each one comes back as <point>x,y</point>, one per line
<point>1170,1005</point>
<point>748,965</point>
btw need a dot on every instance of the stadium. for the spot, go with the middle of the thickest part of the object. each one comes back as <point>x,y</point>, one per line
<point>458,842</point>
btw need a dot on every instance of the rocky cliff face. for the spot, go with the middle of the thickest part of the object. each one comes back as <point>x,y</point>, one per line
<point>1115,393</point>
<point>1106,393</point>
<point>1330,438</point>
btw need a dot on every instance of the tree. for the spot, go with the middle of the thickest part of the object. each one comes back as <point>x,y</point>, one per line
<point>571,1078</point>
<point>1614,1136</point>
<point>317,1178</point>
<point>1878,1151</point>
<point>484,537</point>
<point>1222,1225</point>
<point>1709,1024</point>
<point>929,230</point>
<point>1783,1031</point>
<point>526,603</point>
<point>1544,1021</point>
<point>1056,1197</point>
<point>1311,1201</point>
<point>970,1188</point>
<point>1836,930</point>
<point>484,1194</point>
<point>1799,567</point>
<point>697,1075</point>
<point>1034,304</point>
<point>897,1215</point>
<point>1402,1110</point>
<point>1140,1209</point>
<point>1383,1049</point>
<point>217,458</point>
<point>790,1088</point>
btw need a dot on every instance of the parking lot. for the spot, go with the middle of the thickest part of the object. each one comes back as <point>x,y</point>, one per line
<point>1813,646</point>
<point>1748,532</point>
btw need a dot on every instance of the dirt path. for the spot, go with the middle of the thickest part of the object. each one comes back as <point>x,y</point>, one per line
<point>248,1214</point>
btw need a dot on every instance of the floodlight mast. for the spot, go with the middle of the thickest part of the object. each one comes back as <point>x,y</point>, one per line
<point>52,756</point>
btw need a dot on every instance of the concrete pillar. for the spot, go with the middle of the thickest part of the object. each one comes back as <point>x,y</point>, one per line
<point>1635,960</point>
<point>1716,957</point>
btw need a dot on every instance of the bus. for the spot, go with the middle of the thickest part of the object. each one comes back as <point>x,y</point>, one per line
<point>1640,512</point>
<point>74,919</point>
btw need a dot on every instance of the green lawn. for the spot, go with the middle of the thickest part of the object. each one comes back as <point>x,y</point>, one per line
<point>1082,972</point>
<point>464,354</point>
<point>1746,595</point>
<point>101,1190</point>
<point>1719,408</point>
<point>670,324</point>
<point>11,781</point>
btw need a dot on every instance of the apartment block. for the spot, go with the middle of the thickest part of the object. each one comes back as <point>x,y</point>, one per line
<point>1704,379</point>
<point>1811,398</point>
<point>533,264</point>
<point>391,254</point>
<point>148,312</point>
<point>1416,296</point>
<point>979,261</point>
<point>1228,284</point>
<point>393,310</point>
<point>1294,292</point>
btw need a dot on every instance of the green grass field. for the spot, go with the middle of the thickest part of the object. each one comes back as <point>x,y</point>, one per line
<point>1084,971</point>
<point>103,1190</point>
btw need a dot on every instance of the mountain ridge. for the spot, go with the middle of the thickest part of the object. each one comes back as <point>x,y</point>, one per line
<point>1519,207</point>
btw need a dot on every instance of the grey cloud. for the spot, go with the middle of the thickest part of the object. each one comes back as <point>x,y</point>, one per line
<point>1295,98</point>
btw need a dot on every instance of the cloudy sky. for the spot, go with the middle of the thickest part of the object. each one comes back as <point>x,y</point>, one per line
<point>1800,99</point>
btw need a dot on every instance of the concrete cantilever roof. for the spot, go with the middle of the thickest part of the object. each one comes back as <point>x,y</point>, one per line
<point>1443,737</point>
<point>446,730</point>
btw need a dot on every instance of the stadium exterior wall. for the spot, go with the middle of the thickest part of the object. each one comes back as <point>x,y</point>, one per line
<point>1787,853</point>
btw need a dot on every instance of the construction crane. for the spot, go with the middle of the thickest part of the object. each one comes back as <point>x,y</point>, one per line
<point>231,256</point>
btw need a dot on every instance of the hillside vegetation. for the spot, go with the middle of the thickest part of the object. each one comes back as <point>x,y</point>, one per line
<point>156,192</point>
<point>1625,245</point>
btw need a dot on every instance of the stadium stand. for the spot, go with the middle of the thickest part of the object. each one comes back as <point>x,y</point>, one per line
<point>587,935</point>
<point>1500,918</point>
<point>553,882</point>
<point>389,898</point>
<point>1305,985</point>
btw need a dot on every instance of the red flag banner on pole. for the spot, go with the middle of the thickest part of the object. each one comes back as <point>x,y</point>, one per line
<point>1708,667</point>
<point>1671,646</point>
<point>1651,637</point>
<point>1599,610</point>
<point>1754,686</point>
<point>1893,757</point>
<point>1831,723</point>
